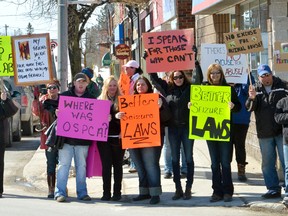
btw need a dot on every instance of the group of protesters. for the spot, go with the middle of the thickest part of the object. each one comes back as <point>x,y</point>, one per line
<point>174,106</point>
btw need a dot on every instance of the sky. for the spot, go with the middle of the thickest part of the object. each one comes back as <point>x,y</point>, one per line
<point>15,18</point>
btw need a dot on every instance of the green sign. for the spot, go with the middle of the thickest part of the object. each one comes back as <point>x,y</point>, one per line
<point>6,62</point>
<point>106,59</point>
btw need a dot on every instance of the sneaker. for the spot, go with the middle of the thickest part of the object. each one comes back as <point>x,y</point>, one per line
<point>167,175</point>
<point>285,201</point>
<point>227,198</point>
<point>215,198</point>
<point>271,194</point>
<point>132,170</point>
<point>60,199</point>
<point>178,194</point>
<point>155,200</point>
<point>86,198</point>
<point>141,197</point>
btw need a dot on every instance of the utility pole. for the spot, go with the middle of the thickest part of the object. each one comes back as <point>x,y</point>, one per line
<point>6,27</point>
<point>63,44</point>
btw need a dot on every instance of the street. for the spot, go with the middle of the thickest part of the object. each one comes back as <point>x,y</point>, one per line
<point>21,198</point>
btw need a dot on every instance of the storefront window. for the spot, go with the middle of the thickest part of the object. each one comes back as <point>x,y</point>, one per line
<point>255,15</point>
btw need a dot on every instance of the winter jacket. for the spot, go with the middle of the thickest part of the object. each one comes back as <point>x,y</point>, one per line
<point>281,117</point>
<point>264,107</point>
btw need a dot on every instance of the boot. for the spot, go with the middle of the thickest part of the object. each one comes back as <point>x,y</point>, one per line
<point>51,185</point>
<point>241,173</point>
<point>187,194</point>
<point>178,194</point>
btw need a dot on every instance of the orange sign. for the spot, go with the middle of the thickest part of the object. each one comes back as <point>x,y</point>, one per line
<point>140,127</point>
<point>169,50</point>
<point>246,41</point>
<point>122,51</point>
<point>124,83</point>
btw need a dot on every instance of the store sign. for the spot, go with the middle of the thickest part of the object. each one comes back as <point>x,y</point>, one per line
<point>122,51</point>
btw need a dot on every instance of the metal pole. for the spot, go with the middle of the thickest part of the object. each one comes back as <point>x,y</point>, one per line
<point>63,43</point>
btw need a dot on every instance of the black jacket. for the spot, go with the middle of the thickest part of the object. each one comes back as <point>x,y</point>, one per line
<point>281,117</point>
<point>74,141</point>
<point>264,107</point>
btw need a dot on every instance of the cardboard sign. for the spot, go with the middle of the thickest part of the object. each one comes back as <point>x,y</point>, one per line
<point>246,41</point>
<point>6,62</point>
<point>124,83</point>
<point>210,113</point>
<point>234,67</point>
<point>280,56</point>
<point>140,127</point>
<point>169,50</point>
<point>83,118</point>
<point>32,59</point>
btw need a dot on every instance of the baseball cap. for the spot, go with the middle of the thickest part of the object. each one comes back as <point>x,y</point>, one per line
<point>263,69</point>
<point>131,63</point>
<point>80,76</point>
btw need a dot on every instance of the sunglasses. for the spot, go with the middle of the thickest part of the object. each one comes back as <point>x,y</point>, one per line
<point>215,73</point>
<point>52,87</point>
<point>178,77</point>
<point>265,75</point>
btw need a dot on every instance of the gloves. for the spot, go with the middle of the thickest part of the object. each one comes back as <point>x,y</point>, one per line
<point>145,55</point>
<point>194,48</point>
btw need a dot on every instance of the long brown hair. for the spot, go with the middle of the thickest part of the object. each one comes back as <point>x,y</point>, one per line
<point>171,79</point>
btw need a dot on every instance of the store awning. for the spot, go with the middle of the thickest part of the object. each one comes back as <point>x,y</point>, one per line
<point>106,59</point>
<point>206,7</point>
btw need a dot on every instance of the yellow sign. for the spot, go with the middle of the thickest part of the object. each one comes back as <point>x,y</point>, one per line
<point>6,61</point>
<point>210,113</point>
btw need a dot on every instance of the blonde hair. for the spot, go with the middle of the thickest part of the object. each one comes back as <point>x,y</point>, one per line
<point>104,94</point>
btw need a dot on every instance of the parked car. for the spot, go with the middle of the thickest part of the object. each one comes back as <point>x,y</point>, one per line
<point>25,99</point>
<point>13,129</point>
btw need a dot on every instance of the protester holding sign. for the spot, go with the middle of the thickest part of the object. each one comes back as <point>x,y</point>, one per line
<point>111,152</point>
<point>74,147</point>
<point>177,92</point>
<point>263,97</point>
<point>133,71</point>
<point>221,151</point>
<point>147,159</point>
<point>240,125</point>
<point>48,105</point>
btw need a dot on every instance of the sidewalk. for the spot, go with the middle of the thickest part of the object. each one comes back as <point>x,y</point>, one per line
<point>246,194</point>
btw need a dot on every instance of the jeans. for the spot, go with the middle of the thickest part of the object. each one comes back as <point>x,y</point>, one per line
<point>79,153</point>
<point>168,158</point>
<point>238,138</point>
<point>220,154</point>
<point>268,148</point>
<point>148,168</point>
<point>178,135</point>
<point>52,160</point>
<point>285,150</point>
<point>111,153</point>
<point>2,153</point>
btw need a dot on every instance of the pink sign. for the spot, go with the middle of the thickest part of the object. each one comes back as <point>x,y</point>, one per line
<point>169,50</point>
<point>83,118</point>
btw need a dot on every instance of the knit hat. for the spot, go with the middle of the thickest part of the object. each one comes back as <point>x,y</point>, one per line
<point>88,72</point>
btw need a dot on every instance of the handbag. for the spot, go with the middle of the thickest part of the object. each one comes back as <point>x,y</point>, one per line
<point>8,108</point>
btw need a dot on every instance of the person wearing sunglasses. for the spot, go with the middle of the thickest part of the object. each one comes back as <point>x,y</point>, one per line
<point>263,97</point>
<point>48,105</point>
<point>177,93</point>
<point>221,151</point>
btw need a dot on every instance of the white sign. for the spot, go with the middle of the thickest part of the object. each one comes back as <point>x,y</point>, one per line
<point>235,67</point>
